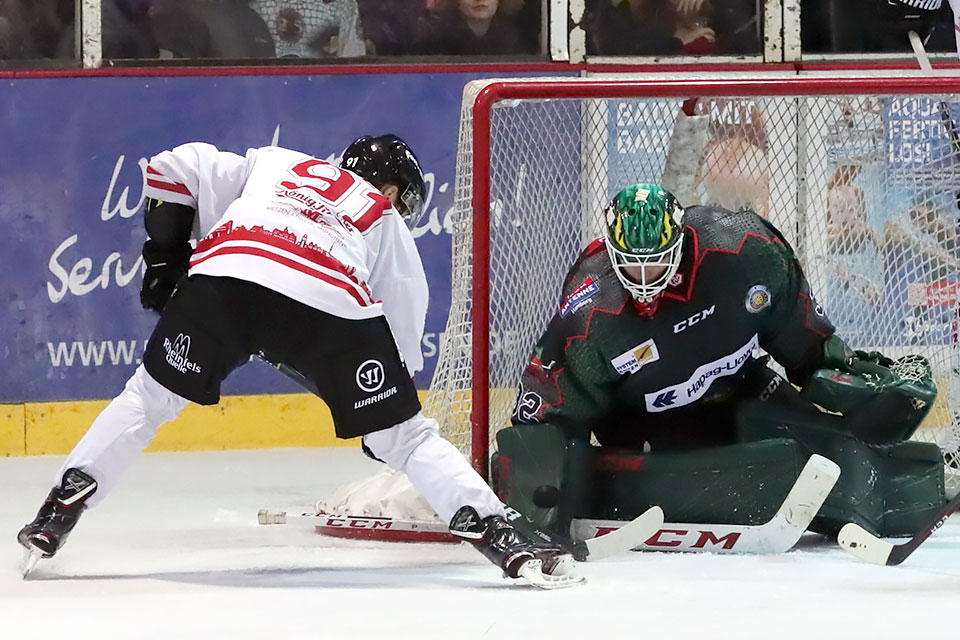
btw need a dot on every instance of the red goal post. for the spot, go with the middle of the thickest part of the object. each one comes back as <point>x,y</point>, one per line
<point>842,165</point>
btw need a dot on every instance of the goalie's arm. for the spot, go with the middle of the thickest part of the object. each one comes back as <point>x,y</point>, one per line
<point>564,384</point>
<point>797,327</point>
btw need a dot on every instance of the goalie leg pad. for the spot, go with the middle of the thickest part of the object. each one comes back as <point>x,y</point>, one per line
<point>552,479</point>
<point>888,491</point>
<point>542,473</point>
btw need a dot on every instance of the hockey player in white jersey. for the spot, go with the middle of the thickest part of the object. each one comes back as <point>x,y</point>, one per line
<point>307,265</point>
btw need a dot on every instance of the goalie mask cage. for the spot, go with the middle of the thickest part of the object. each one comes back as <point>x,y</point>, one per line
<point>860,174</point>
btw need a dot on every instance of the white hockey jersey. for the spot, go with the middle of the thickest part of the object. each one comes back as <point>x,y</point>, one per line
<point>302,227</point>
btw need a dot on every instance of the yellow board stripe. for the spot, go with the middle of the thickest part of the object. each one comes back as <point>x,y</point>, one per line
<point>238,422</point>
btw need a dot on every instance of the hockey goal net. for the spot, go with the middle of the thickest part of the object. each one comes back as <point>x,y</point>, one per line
<point>860,174</point>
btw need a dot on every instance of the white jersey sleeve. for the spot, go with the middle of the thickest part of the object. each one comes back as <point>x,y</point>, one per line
<point>201,176</point>
<point>398,280</point>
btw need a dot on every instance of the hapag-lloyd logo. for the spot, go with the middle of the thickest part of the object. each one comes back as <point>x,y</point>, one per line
<point>699,382</point>
<point>178,352</point>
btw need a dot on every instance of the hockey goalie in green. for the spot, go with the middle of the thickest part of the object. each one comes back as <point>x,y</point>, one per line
<point>663,351</point>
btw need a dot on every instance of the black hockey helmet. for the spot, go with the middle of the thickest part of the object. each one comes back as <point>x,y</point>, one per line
<point>387,159</point>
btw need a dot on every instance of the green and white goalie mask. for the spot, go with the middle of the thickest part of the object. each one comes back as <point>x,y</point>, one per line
<point>644,229</point>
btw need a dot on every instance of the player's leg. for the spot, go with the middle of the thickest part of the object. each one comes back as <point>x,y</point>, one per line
<point>123,429</point>
<point>434,466</point>
<point>186,359</point>
<point>362,378</point>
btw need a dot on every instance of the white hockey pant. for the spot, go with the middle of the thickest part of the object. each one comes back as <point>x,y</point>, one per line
<point>122,430</point>
<point>434,466</point>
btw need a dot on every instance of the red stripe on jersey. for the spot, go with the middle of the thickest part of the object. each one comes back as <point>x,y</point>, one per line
<point>287,262</point>
<point>371,215</point>
<point>593,247</point>
<point>312,254</point>
<point>806,317</point>
<point>175,187</point>
<point>169,185</point>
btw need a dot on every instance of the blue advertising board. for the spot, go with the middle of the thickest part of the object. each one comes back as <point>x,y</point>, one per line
<point>72,169</point>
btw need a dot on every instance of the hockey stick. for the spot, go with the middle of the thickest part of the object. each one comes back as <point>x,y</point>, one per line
<point>777,535</point>
<point>868,547</point>
<point>627,537</point>
<point>606,537</point>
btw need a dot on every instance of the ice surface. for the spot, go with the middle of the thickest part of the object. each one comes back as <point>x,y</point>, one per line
<point>176,552</point>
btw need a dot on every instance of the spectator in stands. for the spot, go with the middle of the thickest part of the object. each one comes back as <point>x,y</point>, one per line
<point>393,26</point>
<point>32,29</point>
<point>16,40</point>
<point>738,26</point>
<point>527,16</point>
<point>470,27</point>
<point>225,29</point>
<point>126,33</point>
<point>649,27</point>
<point>314,28</point>
<point>860,26</point>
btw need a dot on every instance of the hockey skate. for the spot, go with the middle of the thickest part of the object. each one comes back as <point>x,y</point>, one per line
<point>545,566</point>
<point>58,515</point>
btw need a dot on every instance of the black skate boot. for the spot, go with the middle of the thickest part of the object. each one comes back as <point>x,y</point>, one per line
<point>57,516</point>
<point>544,565</point>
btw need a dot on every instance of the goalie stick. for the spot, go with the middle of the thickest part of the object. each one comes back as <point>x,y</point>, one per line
<point>777,535</point>
<point>868,547</point>
<point>607,538</point>
<point>611,543</point>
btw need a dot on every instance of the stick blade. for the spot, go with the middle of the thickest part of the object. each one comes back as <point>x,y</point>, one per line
<point>631,535</point>
<point>864,545</point>
<point>811,489</point>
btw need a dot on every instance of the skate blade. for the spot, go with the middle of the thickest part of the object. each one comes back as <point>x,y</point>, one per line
<point>30,559</point>
<point>563,575</point>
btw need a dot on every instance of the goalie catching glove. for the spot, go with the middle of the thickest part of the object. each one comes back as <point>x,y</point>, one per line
<point>543,565</point>
<point>882,401</point>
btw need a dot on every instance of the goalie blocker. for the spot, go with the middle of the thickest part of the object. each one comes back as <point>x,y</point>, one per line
<point>858,414</point>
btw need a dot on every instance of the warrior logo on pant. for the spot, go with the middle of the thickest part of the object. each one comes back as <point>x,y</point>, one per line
<point>370,376</point>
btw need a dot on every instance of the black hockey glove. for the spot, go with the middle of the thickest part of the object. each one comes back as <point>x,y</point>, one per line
<point>166,265</point>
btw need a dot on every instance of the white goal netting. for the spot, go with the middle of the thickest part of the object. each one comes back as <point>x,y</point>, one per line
<point>861,175</point>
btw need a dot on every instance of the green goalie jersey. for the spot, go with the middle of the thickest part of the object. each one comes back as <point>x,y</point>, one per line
<point>602,368</point>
